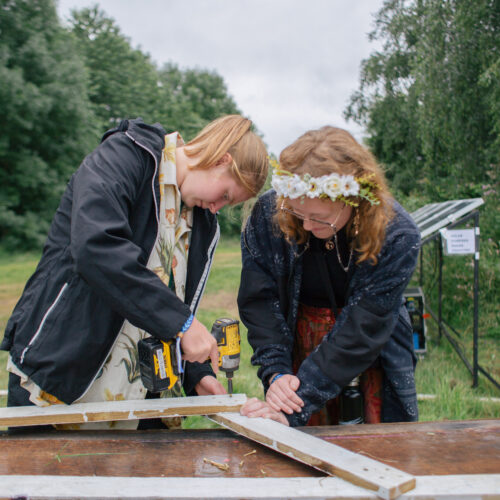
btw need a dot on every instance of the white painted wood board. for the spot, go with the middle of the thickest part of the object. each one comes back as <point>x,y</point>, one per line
<point>457,487</point>
<point>119,410</point>
<point>386,481</point>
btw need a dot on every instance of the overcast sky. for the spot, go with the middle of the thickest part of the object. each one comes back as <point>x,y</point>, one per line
<point>290,65</point>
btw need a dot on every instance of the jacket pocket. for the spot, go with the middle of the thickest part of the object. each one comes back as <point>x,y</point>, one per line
<point>51,312</point>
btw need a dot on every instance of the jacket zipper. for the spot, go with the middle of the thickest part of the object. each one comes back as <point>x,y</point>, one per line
<point>49,310</point>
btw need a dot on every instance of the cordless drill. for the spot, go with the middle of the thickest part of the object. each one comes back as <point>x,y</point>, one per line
<point>227,333</point>
<point>161,364</point>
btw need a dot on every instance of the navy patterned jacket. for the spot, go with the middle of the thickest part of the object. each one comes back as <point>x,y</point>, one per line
<point>373,323</point>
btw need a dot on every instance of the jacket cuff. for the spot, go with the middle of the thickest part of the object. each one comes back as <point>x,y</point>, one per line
<point>274,358</point>
<point>265,373</point>
<point>315,390</point>
<point>193,373</point>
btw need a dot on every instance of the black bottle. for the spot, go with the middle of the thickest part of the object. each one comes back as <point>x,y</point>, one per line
<point>351,404</point>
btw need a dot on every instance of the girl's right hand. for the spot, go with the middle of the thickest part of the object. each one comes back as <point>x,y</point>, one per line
<point>282,396</point>
<point>198,344</point>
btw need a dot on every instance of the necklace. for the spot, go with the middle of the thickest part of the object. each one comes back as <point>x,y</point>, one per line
<point>339,258</point>
<point>329,245</point>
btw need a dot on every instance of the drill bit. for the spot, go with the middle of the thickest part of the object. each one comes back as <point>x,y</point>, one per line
<point>230,383</point>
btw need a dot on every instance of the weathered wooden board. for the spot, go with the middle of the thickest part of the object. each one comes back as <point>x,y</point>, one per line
<point>468,487</point>
<point>119,410</point>
<point>424,448</point>
<point>155,453</point>
<point>360,470</point>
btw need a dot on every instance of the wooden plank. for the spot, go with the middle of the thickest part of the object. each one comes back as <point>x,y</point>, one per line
<point>386,481</point>
<point>438,426</point>
<point>119,410</point>
<point>461,487</point>
<point>136,453</point>
<point>421,449</point>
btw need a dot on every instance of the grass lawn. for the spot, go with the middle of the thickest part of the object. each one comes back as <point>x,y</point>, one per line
<point>440,372</point>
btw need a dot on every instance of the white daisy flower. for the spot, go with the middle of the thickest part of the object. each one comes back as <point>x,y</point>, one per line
<point>349,185</point>
<point>332,186</point>
<point>277,183</point>
<point>315,187</point>
<point>297,187</point>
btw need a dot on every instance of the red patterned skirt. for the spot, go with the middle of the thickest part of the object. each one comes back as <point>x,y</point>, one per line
<point>313,323</point>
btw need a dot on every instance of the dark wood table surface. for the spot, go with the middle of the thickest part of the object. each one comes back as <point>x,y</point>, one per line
<point>434,448</point>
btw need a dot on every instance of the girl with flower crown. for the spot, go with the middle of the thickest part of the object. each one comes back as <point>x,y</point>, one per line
<point>327,254</point>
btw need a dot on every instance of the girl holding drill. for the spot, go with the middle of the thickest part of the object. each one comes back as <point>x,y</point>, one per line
<point>127,257</point>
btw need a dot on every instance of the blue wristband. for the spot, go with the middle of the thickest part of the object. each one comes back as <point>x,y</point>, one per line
<point>178,353</point>
<point>276,377</point>
<point>187,324</point>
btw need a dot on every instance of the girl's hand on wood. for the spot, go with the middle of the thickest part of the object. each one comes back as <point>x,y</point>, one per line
<point>198,344</point>
<point>209,385</point>
<point>282,396</point>
<point>256,408</point>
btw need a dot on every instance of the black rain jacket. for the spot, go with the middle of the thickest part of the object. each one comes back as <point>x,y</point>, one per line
<point>93,274</point>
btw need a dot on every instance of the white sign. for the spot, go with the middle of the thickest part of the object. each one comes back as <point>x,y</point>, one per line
<point>459,241</point>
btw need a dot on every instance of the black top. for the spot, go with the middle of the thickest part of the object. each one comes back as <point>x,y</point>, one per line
<point>323,274</point>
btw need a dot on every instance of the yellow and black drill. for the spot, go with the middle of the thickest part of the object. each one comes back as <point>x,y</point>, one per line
<point>161,365</point>
<point>227,333</point>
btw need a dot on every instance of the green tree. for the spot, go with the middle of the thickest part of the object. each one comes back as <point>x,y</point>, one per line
<point>459,43</point>
<point>45,128</point>
<point>192,98</point>
<point>429,97</point>
<point>123,81</point>
<point>385,102</point>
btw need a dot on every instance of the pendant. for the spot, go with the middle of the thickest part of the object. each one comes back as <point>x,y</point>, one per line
<point>329,245</point>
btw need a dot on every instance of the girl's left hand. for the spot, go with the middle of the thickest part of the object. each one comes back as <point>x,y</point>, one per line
<point>282,396</point>
<point>209,385</point>
<point>256,408</point>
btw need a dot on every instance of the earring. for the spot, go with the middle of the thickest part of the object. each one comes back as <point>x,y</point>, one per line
<point>356,222</point>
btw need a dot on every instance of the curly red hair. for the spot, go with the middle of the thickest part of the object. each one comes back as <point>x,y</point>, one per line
<point>333,150</point>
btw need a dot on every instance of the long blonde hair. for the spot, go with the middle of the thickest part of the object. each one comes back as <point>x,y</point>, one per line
<point>231,134</point>
<point>333,150</point>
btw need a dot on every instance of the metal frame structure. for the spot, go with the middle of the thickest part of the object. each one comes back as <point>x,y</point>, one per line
<point>431,219</point>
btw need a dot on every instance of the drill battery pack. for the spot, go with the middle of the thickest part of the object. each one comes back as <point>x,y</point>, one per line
<point>158,364</point>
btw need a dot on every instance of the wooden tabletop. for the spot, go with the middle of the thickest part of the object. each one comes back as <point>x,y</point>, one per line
<point>435,448</point>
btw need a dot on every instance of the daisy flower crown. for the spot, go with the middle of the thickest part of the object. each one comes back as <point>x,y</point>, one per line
<point>332,186</point>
